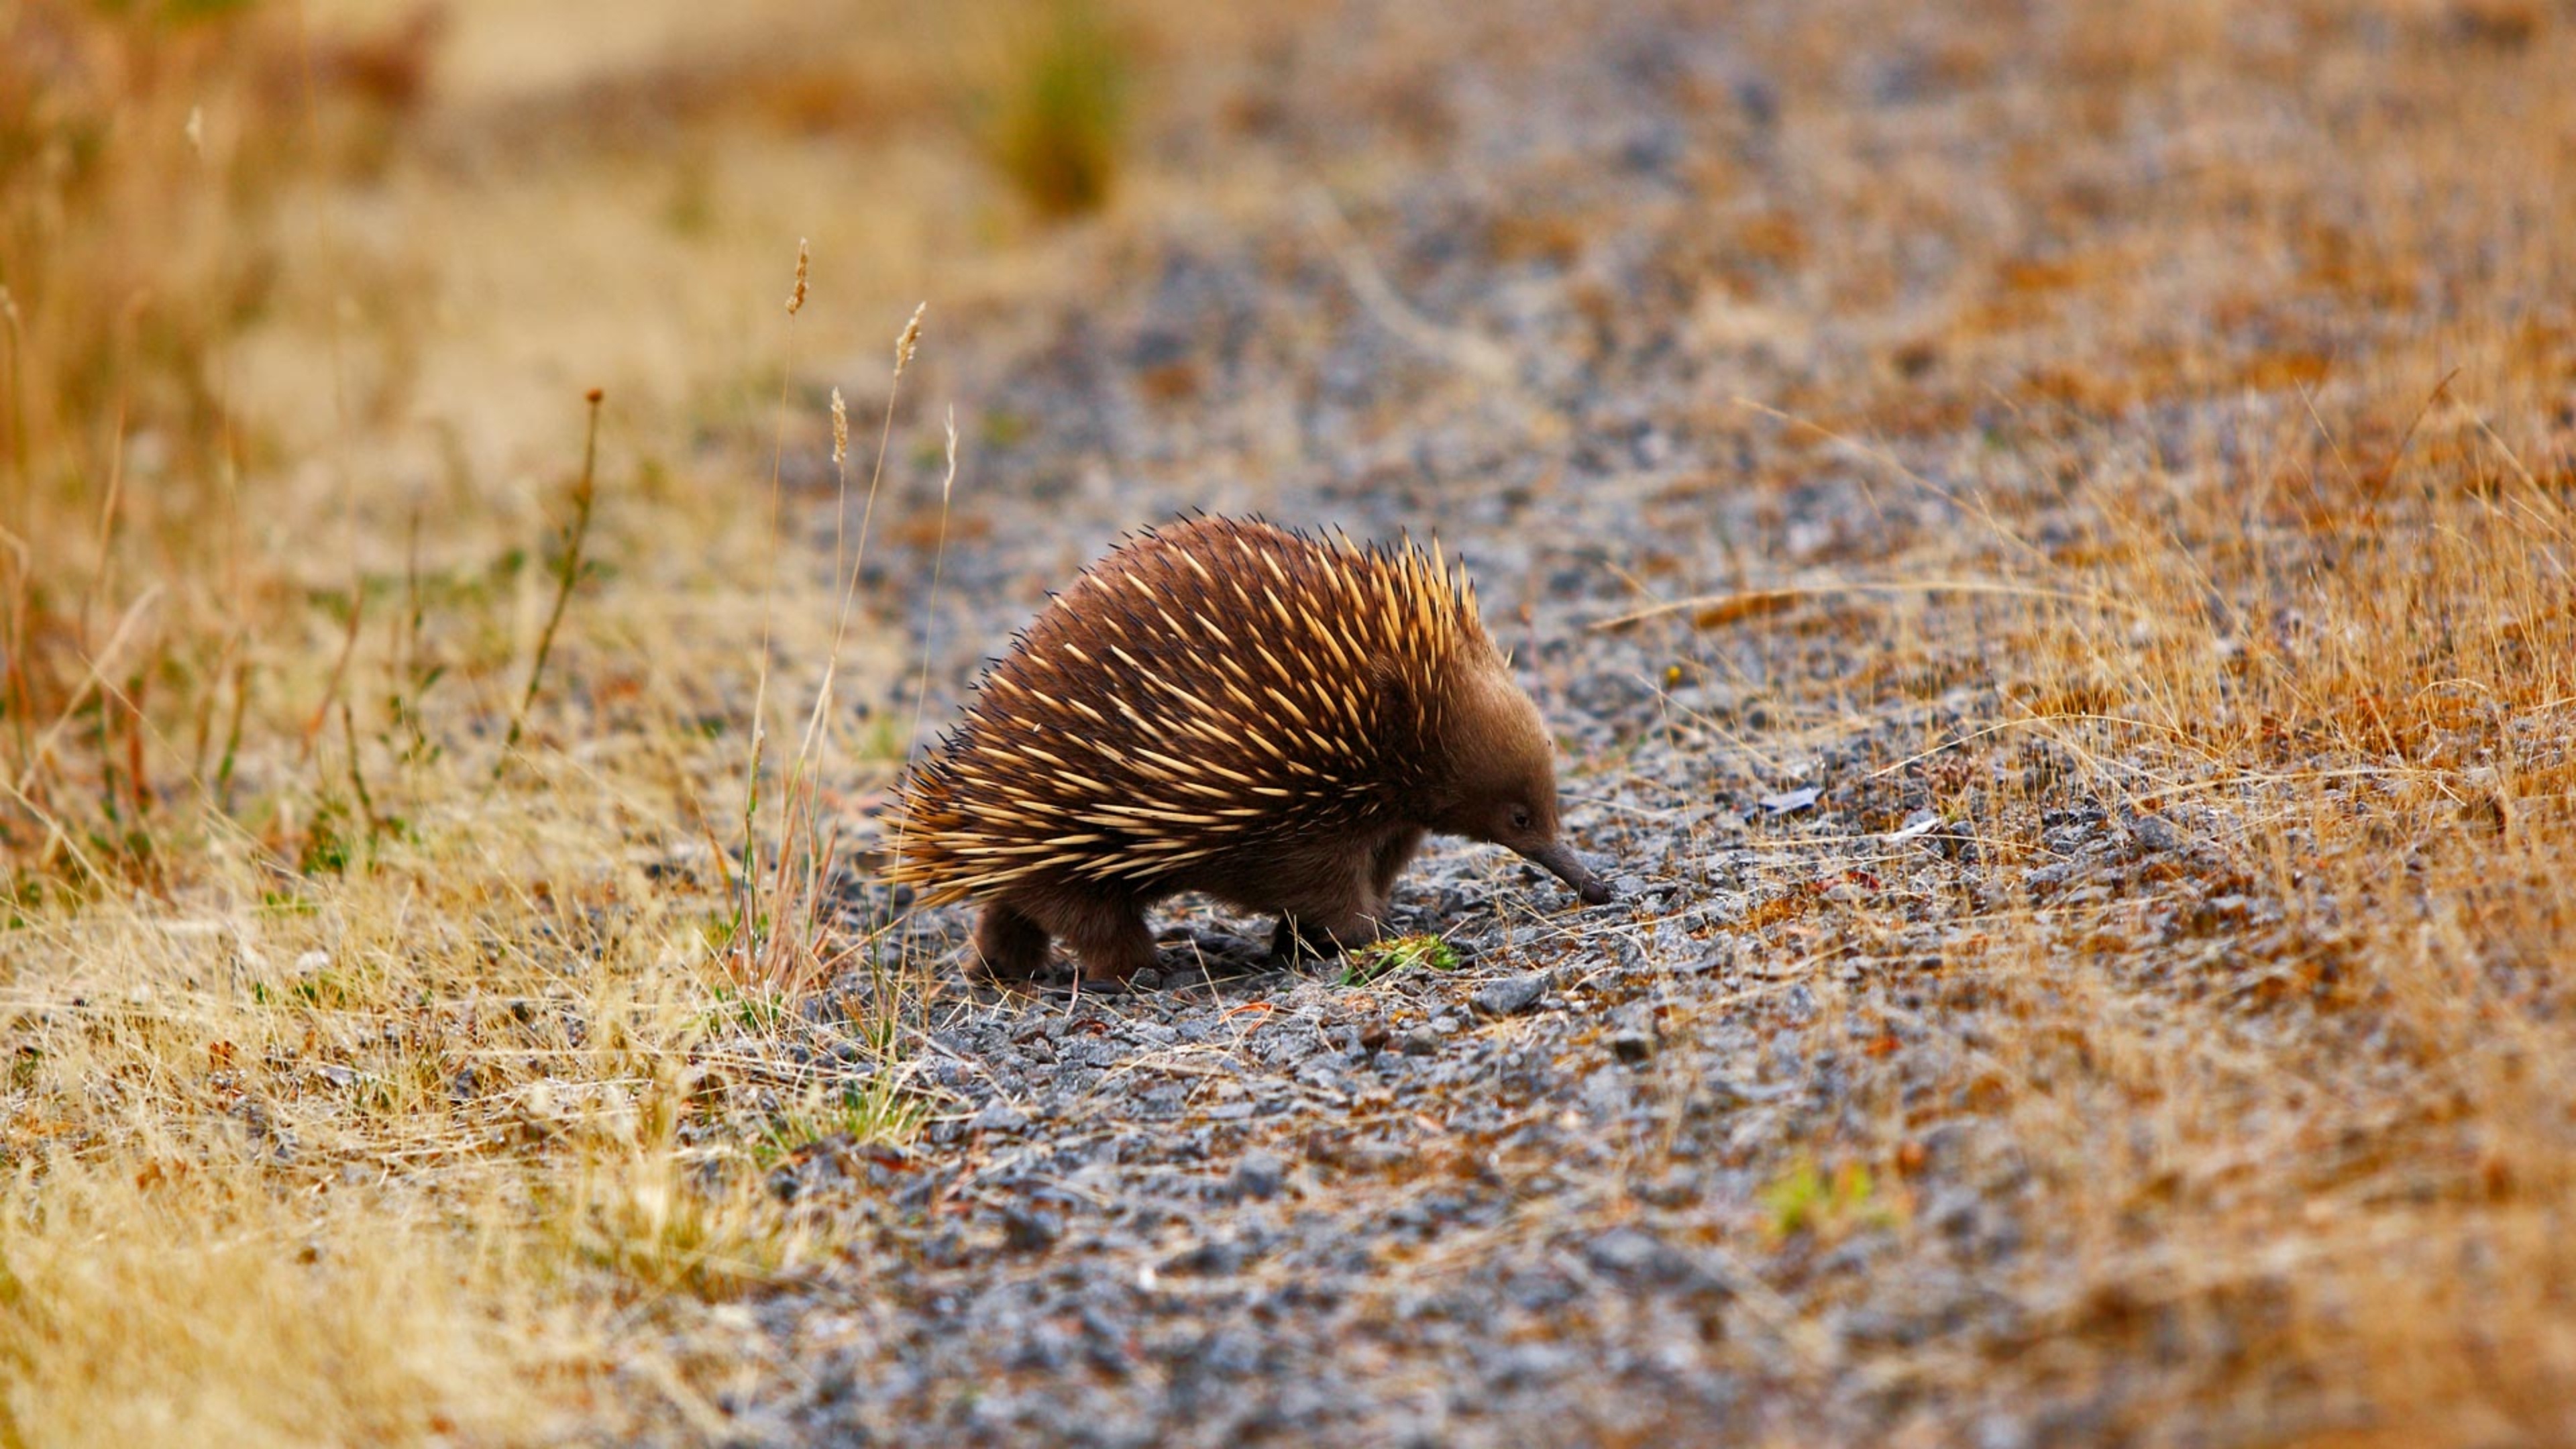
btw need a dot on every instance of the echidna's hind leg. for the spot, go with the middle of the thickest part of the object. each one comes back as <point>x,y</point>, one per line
<point>1393,855</point>
<point>1109,938</point>
<point>1009,944</point>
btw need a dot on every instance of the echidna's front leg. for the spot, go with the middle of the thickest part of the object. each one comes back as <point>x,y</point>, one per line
<point>1009,944</point>
<point>1110,939</point>
<point>1356,913</point>
<point>1329,932</point>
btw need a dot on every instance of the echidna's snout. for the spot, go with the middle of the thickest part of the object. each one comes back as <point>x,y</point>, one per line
<point>1560,861</point>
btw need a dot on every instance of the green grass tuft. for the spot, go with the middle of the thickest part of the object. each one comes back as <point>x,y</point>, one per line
<point>1382,959</point>
<point>1059,117</point>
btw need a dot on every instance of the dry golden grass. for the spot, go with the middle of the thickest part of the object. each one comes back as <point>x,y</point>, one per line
<point>2332,1101</point>
<point>2269,536</point>
<point>384,879</point>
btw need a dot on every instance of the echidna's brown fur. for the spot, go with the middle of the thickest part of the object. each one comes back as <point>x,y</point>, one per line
<point>1234,708</point>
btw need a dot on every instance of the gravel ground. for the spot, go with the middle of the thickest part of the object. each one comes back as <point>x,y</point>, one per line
<point>1539,1197</point>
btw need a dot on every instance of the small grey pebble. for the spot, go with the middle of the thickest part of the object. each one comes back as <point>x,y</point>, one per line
<point>1031,1230</point>
<point>1260,1175</point>
<point>1674,1189</point>
<point>1421,1044</point>
<point>2154,832</point>
<point>1953,1213</point>
<point>1529,1363</point>
<point>1000,1117</point>
<point>1789,802</point>
<point>1624,1250</point>
<point>1148,979</point>
<point>1998,1431</point>
<point>1321,1075</point>
<point>1216,1258</point>
<point>1511,994</point>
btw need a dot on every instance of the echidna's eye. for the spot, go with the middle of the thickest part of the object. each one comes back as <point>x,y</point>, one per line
<point>1520,817</point>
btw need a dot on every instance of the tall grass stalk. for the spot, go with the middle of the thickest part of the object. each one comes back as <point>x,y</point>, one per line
<point>747,927</point>
<point>576,534</point>
<point>778,941</point>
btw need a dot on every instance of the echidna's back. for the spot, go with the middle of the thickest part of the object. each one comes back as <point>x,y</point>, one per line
<point>1206,687</point>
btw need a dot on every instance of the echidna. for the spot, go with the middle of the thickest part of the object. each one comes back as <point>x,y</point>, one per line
<point>1230,707</point>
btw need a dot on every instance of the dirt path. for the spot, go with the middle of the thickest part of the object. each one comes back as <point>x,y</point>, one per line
<point>1965,1061</point>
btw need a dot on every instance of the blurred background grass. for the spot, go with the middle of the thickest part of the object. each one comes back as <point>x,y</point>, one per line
<point>376,1077</point>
